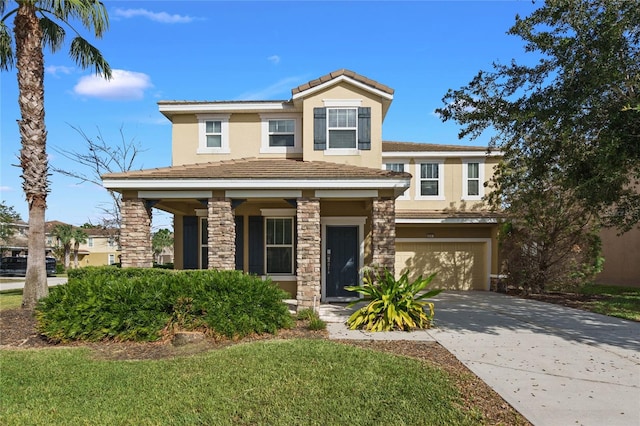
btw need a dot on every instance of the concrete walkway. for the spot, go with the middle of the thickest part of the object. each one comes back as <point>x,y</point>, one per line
<point>555,365</point>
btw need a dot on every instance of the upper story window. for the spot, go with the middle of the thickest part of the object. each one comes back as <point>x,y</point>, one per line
<point>398,167</point>
<point>430,180</point>
<point>90,241</point>
<point>280,134</point>
<point>342,128</point>
<point>213,134</point>
<point>472,180</point>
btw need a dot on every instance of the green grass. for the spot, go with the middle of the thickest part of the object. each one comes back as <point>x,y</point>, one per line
<point>10,299</point>
<point>621,302</point>
<point>279,382</point>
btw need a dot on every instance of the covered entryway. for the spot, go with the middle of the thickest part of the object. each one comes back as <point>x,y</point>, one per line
<point>459,264</point>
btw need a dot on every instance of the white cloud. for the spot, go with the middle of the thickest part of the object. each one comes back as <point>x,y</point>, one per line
<point>283,86</point>
<point>274,59</point>
<point>5,189</point>
<point>55,70</point>
<point>162,17</point>
<point>124,85</point>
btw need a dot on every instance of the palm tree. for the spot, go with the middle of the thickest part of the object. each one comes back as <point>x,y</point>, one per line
<point>34,27</point>
<point>64,234</point>
<point>79,237</point>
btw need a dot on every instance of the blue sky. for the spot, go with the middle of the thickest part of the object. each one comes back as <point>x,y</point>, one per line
<point>212,50</point>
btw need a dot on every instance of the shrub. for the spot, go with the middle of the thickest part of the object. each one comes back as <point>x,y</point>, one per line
<point>314,321</point>
<point>140,304</point>
<point>395,304</point>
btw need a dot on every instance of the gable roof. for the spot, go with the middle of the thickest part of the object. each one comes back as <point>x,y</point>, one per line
<point>341,73</point>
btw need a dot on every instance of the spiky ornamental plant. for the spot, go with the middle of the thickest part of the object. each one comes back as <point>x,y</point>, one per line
<point>36,25</point>
<point>395,304</point>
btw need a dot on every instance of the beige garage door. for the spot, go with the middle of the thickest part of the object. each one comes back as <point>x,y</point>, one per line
<point>459,265</point>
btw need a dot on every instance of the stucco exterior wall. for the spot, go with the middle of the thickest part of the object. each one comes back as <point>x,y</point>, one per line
<point>452,185</point>
<point>621,258</point>
<point>343,91</point>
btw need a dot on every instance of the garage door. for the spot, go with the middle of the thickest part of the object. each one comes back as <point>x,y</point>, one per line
<point>458,265</point>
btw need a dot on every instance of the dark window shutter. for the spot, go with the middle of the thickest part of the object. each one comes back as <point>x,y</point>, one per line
<point>256,245</point>
<point>239,243</point>
<point>364,128</point>
<point>319,129</point>
<point>190,247</point>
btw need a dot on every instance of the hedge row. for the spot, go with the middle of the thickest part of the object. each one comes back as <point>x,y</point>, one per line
<point>140,304</point>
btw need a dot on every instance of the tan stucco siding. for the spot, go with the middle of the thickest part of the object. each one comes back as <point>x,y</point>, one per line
<point>452,186</point>
<point>621,258</point>
<point>245,135</point>
<point>184,137</point>
<point>344,91</point>
<point>443,231</point>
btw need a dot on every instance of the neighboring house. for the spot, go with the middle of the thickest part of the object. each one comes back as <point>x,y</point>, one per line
<point>306,192</point>
<point>101,247</point>
<point>621,258</point>
<point>16,244</point>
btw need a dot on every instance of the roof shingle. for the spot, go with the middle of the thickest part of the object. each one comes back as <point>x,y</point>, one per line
<point>342,72</point>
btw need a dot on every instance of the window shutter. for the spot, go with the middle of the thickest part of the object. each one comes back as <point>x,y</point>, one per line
<point>256,245</point>
<point>319,129</point>
<point>190,247</point>
<point>239,243</point>
<point>364,128</point>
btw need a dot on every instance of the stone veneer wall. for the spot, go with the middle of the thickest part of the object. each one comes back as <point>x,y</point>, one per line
<point>135,234</point>
<point>222,235</point>
<point>308,252</point>
<point>383,233</point>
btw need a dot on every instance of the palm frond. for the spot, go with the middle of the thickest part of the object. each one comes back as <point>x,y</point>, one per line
<point>92,13</point>
<point>86,56</point>
<point>52,33</point>
<point>6,48</point>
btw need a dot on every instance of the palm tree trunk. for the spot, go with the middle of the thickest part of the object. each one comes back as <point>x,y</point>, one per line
<point>33,135</point>
<point>76,247</point>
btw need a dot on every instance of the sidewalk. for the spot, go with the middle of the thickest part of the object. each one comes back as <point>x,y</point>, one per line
<point>555,365</point>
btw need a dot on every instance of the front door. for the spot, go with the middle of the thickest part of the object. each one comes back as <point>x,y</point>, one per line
<point>342,259</point>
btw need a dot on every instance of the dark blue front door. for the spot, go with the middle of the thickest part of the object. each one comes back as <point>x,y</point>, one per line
<point>342,259</point>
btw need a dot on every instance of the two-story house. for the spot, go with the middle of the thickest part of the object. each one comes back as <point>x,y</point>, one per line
<point>306,192</point>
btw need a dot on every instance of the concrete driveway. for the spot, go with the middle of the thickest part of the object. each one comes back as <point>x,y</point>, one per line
<point>555,365</point>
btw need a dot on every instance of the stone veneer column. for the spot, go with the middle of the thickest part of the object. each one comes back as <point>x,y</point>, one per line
<point>222,235</point>
<point>308,252</point>
<point>383,233</point>
<point>135,234</point>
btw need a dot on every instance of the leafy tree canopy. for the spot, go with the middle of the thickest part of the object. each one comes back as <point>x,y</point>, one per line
<point>8,214</point>
<point>574,114</point>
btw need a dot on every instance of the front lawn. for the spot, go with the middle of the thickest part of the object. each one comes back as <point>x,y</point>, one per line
<point>621,302</point>
<point>277,382</point>
<point>10,299</point>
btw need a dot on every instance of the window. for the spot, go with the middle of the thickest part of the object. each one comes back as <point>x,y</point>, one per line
<point>395,167</point>
<point>431,180</point>
<point>279,245</point>
<point>342,128</point>
<point>204,243</point>
<point>112,259</point>
<point>398,167</point>
<point>90,241</point>
<point>472,180</point>
<point>213,134</point>
<point>280,133</point>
